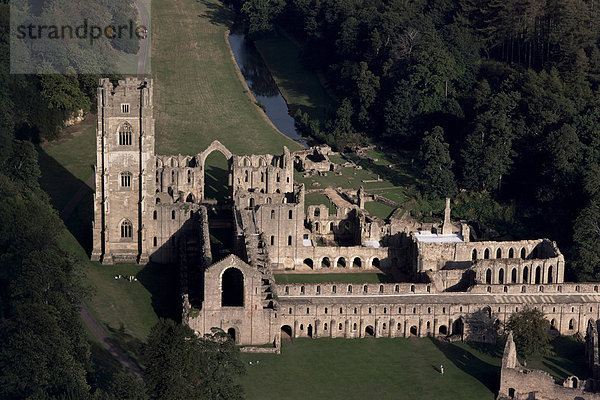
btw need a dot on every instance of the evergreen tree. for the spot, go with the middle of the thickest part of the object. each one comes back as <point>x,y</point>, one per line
<point>437,164</point>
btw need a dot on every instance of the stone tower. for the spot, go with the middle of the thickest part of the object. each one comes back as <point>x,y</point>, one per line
<point>125,166</point>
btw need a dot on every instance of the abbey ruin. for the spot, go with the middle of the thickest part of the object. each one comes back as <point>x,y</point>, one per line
<point>438,283</point>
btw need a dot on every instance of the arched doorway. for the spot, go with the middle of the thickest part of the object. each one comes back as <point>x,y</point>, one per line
<point>414,331</point>
<point>458,327</point>
<point>215,162</point>
<point>231,333</point>
<point>286,333</point>
<point>369,331</point>
<point>232,288</point>
<point>443,330</point>
<point>309,331</point>
<point>308,263</point>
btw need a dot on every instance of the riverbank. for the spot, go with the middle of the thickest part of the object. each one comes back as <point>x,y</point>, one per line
<point>300,87</point>
<point>198,96</point>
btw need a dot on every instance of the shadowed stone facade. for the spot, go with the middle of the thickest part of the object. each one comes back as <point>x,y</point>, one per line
<point>439,282</point>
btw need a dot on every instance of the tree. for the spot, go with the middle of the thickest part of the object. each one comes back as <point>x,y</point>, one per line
<point>437,164</point>
<point>181,365</point>
<point>261,14</point>
<point>487,151</point>
<point>530,332</point>
<point>586,237</point>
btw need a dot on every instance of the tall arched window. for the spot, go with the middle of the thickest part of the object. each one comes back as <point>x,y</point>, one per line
<point>125,179</point>
<point>126,229</point>
<point>125,135</point>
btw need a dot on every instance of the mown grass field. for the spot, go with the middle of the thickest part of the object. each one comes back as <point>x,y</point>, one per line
<point>198,94</point>
<point>371,369</point>
<point>392,369</point>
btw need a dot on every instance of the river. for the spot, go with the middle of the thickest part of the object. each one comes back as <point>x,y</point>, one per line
<point>263,86</point>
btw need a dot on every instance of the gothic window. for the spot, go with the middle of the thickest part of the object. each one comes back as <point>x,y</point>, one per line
<point>173,214</point>
<point>172,176</point>
<point>290,214</point>
<point>189,176</point>
<point>289,240</point>
<point>125,179</point>
<point>125,135</point>
<point>157,177</point>
<point>154,215</point>
<point>126,229</point>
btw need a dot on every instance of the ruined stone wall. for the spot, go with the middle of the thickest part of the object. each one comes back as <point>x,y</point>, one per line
<point>517,382</point>
<point>251,322</point>
<point>263,173</point>
<point>481,313</point>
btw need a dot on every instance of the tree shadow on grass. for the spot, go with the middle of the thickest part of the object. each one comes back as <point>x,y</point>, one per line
<point>162,281</point>
<point>484,372</point>
<point>133,346</point>
<point>103,367</point>
<point>217,13</point>
<point>71,197</point>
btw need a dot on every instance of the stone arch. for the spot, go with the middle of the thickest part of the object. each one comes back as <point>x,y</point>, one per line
<point>126,229</point>
<point>190,198</point>
<point>340,262</point>
<point>325,262</point>
<point>215,146</point>
<point>550,273</point>
<point>474,255</point>
<point>369,331</point>
<point>232,288</point>
<point>511,253</point>
<point>523,253</point>
<point>571,324</point>
<point>501,276</point>
<point>232,332</point>
<point>486,254</point>
<point>513,276</point>
<point>308,262</point>
<point>458,327</point>
<point>375,262</point>
<point>413,330</point>
<point>499,253</point>
<point>443,330</point>
<point>538,275</point>
<point>525,274</point>
<point>125,134</point>
<point>488,276</point>
<point>356,262</point>
<point>286,332</point>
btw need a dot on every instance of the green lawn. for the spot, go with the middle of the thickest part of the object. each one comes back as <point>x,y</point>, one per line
<point>299,86</point>
<point>315,199</point>
<point>379,209</point>
<point>371,369</point>
<point>392,369</point>
<point>198,94</point>
<point>367,277</point>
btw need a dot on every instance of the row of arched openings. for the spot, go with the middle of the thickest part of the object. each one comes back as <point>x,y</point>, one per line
<point>486,253</point>
<point>357,262</point>
<point>536,279</point>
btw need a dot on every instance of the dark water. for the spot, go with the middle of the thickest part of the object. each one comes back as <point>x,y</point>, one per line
<point>263,87</point>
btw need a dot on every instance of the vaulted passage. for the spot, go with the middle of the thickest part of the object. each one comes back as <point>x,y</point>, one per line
<point>232,290</point>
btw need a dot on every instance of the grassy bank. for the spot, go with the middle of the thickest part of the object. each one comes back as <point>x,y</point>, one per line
<point>299,86</point>
<point>198,94</point>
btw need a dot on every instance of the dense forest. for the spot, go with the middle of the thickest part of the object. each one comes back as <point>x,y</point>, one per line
<point>44,350</point>
<point>499,99</point>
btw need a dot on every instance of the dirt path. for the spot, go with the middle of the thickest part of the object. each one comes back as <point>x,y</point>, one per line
<point>335,198</point>
<point>87,317</point>
<point>109,344</point>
